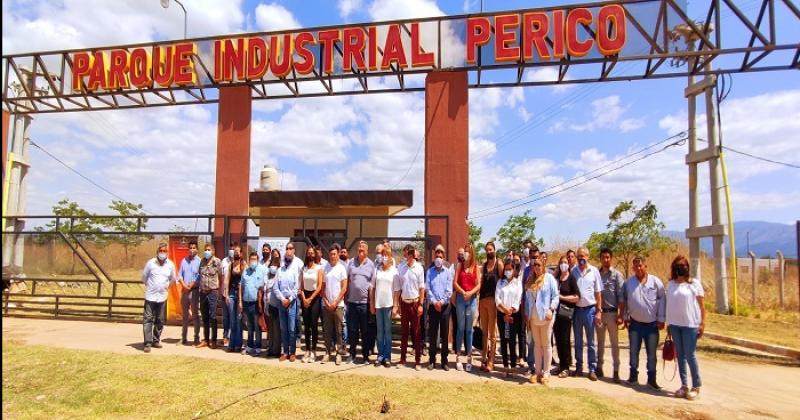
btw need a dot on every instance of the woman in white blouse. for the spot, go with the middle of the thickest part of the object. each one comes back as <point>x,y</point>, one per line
<point>686,320</point>
<point>383,304</point>
<point>541,301</point>
<point>507,298</point>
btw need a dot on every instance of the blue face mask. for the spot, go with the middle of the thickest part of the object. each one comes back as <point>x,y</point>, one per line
<point>207,254</point>
<point>253,265</point>
<point>582,261</point>
<point>288,260</point>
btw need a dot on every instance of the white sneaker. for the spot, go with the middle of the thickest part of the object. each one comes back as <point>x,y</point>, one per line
<point>313,356</point>
<point>246,350</point>
<point>338,359</point>
<point>459,366</point>
<point>350,360</point>
<point>468,367</point>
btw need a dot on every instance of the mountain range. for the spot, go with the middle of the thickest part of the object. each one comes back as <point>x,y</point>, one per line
<point>765,239</point>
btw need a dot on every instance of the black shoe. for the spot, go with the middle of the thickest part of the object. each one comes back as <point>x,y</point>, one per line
<point>146,349</point>
<point>445,367</point>
<point>592,376</point>
<point>599,373</point>
<point>616,377</point>
<point>632,380</point>
<point>431,366</point>
<point>184,342</point>
<point>653,384</point>
<point>157,345</point>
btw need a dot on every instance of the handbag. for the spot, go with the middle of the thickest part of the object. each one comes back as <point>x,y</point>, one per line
<point>566,311</point>
<point>668,355</point>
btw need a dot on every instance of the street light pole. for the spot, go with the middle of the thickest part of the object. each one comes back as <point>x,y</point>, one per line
<point>165,4</point>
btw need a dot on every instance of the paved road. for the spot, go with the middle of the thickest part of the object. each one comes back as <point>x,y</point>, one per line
<point>730,389</point>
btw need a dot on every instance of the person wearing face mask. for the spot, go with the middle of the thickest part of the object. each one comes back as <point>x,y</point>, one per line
<point>383,304</point>
<point>313,274</point>
<point>541,299</point>
<point>686,316</point>
<point>266,255</point>
<point>158,274</point>
<point>642,311</point>
<point>466,285</point>
<point>562,328</point>
<point>272,305</point>
<point>285,290</point>
<point>439,286</point>
<point>525,261</point>
<point>334,291</point>
<point>508,295</point>
<point>233,278</point>
<point>252,281</point>
<point>410,292</point>
<point>211,279</point>
<point>492,272</point>
<point>372,323</point>
<point>360,273</point>
<point>588,312</point>
<point>226,315</point>
<point>188,274</point>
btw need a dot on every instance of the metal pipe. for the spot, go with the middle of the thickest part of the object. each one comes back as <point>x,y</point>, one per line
<point>781,276</point>
<point>753,275</point>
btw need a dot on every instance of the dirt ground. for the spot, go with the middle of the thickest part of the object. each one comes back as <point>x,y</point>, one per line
<point>730,389</point>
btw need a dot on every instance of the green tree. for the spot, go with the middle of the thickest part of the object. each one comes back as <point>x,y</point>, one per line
<point>631,231</point>
<point>475,233</point>
<point>517,229</point>
<point>133,224</point>
<point>74,219</point>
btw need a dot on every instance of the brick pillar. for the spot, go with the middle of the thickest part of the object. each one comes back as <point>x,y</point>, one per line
<point>233,162</point>
<point>447,156</point>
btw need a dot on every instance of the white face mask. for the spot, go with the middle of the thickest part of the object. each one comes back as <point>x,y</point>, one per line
<point>230,253</point>
<point>563,266</point>
<point>526,252</point>
<point>162,256</point>
<point>379,259</point>
<point>273,269</point>
<point>438,262</point>
<point>509,273</point>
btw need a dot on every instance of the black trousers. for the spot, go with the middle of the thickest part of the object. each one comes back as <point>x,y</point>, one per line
<point>208,309</point>
<point>153,321</point>
<point>508,342</point>
<point>274,331</point>
<point>311,316</point>
<point>438,329</point>
<point>561,330</point>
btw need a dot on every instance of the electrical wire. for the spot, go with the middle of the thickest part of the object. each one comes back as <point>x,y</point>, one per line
<point>675,143</point>
<point>681,134</point>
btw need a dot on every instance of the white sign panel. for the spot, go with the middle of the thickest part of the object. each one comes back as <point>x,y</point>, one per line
<point>274,242</point>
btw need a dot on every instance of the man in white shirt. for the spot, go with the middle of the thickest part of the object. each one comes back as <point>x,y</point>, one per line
<point>334,291</point>
<point>158,274</point>
<point>410,292</point>
<point>588,312</point>
<point>226,316</point>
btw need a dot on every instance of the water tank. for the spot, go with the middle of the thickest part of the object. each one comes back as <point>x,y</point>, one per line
<point>269,179</point>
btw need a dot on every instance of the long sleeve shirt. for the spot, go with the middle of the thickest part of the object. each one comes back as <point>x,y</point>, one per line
<point>190,270</point>
<point>508,293</point>
<point>645,301</point>
<point>287,283</point>
<point>542,300</point>
<point>252,280</point>
<point>439,285</point>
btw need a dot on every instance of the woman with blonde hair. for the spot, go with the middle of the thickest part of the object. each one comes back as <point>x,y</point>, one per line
<point>686,318</point>
<point>383,303</point>
<point>541,299</point>
<point>467,284</point>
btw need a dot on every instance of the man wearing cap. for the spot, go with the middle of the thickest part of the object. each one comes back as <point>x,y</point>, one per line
<point>439,284</point>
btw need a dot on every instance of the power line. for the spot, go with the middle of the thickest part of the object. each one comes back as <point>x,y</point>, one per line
<point>750,155</point>
<point>413,162</point>
<point>675,143</point>
<point>681,134</point>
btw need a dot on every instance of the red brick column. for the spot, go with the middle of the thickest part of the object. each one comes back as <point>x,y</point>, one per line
<point>447,156</point>
<point>233,162</point>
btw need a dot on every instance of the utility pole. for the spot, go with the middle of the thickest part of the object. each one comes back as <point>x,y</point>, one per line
<point>716,230</point>
<point>14,244</point>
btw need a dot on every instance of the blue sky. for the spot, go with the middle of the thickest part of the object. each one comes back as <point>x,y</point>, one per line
<point>164,158</point>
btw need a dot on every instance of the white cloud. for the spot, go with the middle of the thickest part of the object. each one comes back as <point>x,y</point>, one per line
<point>347,7</point>
<point>546,74</point>
<point>608,113</point>
<point>274,17</point>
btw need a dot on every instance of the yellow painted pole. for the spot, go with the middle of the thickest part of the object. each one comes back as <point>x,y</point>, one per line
<point>731,232</point>
<point>6,185</point>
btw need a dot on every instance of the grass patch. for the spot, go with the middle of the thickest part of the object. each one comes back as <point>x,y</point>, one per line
<point>777,328</point>
<point>42,382</point>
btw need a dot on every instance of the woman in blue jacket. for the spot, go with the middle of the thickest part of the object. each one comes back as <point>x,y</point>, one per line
<point>541,300</point>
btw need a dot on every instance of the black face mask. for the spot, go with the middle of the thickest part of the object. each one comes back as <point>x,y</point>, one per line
<point>682,271</point>
<point>343,257</point>
<point>490,255</point>
<point>265,254</point>
<point>288,260</point>
<point>460,258</point>
<point>236,256</point>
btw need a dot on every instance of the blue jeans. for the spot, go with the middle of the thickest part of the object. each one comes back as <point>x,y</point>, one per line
<point>529,356</point>
<point>288,321</point>
<point>685,339</point>
<point>226,320</point>
<point>234,323</point>
<point>583,322</point>
<point>358,326</point>
<point>465,315</point>
<point>253,329</point>
<point>647,332</point>
<point>384,318</point>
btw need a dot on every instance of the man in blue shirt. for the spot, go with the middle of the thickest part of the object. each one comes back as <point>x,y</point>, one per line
<point>188,277</point>
<point>439,284</point>
<point>249,287</point>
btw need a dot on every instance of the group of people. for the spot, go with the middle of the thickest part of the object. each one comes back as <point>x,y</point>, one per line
<point>518,298</point>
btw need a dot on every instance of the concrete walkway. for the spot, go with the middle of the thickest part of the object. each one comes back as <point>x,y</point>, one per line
<point>730,390</point>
